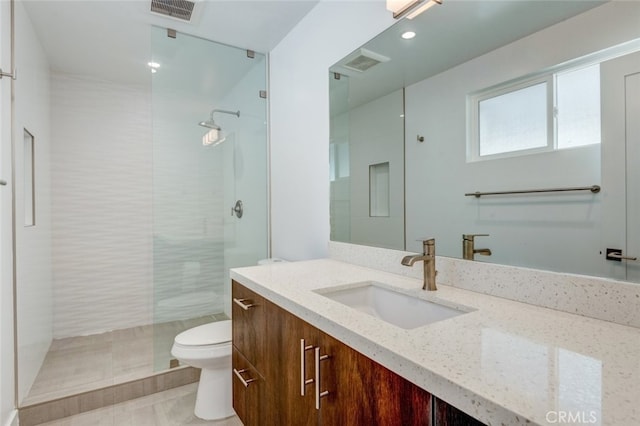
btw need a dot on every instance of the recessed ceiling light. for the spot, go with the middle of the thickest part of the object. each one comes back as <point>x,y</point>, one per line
<point>153,70</point>
<point>153,65</point>
<point>408,35</point>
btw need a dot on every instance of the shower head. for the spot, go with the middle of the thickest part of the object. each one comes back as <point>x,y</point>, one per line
<point>209,124</point>
<point>215,136</point>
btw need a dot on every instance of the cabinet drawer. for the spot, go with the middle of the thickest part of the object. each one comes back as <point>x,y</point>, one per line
<point>248,326</point>
<point>248,390</point>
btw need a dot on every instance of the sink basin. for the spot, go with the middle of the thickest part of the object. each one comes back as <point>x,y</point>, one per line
<point>403,310</point>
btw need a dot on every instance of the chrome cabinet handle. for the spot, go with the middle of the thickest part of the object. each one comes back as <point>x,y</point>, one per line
<point>319,394</point>
<point>303,381</point>
<point>238,374</point>
<point>240,302</point>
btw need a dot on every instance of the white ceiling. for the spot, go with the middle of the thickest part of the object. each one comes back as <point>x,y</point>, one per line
<point>111,39</point>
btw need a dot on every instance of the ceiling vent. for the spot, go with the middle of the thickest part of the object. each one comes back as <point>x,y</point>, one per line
<point>361,60</point>
<point>182,10</point>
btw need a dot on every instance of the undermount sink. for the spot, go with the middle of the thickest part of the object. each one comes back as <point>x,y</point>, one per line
<point>400,309</point>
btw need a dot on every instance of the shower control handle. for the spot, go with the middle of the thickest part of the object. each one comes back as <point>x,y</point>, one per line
<point>237,209</point>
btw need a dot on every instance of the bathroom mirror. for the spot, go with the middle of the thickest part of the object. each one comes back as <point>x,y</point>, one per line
<point>438,108</point>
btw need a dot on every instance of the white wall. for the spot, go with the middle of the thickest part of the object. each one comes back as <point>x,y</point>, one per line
<point>7,393</point>
<point>299,117</point>
<point>33,243</point>
<point>102,201</point>
<point>556,232</point>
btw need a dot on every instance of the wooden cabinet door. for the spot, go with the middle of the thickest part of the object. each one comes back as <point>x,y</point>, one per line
<point>448,415</point>
<point>286,405</point>
<point>248,391</point>
<point>248,325</point>
<point>362,392</point>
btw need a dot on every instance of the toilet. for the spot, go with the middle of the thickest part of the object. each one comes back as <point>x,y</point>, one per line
<point>208,347</point>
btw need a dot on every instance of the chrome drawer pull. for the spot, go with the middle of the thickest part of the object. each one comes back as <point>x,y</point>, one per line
<point>303,381</point>
<point>240,302</point>
<point>319,394</point>
<point>238,374</point>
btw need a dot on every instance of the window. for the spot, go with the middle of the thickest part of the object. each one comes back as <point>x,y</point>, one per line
<point>554,111</point>
<point>338,161</point>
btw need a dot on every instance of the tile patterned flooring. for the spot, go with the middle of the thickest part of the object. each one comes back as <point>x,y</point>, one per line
<point>173,407</point>
<point>79,364</point>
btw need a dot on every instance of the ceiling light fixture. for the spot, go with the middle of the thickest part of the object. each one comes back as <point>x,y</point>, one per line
<point>410,8</point>
<point>153,65</point>
<point>408,35</point>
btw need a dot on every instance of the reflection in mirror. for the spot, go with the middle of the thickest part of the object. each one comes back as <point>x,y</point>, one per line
<point>361,137</point>
<point>494,96</point>
<point>29,180</point>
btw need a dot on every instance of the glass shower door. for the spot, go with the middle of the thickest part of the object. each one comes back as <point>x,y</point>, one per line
<point>195,237</point>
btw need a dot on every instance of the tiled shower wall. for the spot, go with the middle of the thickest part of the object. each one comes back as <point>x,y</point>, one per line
<point>101,205</point>
<point>137,209</point>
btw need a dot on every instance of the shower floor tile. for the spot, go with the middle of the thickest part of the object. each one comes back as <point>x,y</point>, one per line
<point>80,364</point>
<point>173,407</point>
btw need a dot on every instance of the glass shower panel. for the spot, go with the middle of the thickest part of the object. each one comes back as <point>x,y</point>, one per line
<point>339,168</point>
<point>195,237</point>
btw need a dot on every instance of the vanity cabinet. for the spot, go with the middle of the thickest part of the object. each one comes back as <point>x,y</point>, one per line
<point>247,333</point>
<point>248,390</point>
<point>248,311</point>
<point>448,415</point>
<point>303,376</point>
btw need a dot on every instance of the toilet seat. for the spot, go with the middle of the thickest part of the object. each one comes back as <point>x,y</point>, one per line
<point>211,334</point>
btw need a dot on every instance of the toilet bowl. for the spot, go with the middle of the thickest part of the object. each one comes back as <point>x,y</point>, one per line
<point>208,347</point>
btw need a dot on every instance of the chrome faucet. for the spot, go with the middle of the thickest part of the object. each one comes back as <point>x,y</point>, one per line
<point>429,258</point>
<point>468,248</point>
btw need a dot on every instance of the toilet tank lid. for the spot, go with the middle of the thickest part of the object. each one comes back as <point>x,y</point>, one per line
<point>206,334</point>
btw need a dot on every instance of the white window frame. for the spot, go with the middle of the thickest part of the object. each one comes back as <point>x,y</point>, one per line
<point>549,74</point>
<point>473,125</point>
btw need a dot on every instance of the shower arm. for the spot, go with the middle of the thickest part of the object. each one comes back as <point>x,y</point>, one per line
<point>236,113</point>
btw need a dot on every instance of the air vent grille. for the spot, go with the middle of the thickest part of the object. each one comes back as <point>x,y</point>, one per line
<point>178,9</point>
<point>361,60</point>
<point>361,63</point>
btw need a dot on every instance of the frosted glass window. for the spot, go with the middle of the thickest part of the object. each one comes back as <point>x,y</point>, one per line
<point>379,190</point>
<point>514,121</point>
<point>332,162</point>
<point>343,160</point>
<point>29,181</point>
<point>339,161</point>
<point>578,107</point>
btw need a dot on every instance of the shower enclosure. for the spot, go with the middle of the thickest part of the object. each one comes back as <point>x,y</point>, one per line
<point>134,228</point>
<point>197,236</point>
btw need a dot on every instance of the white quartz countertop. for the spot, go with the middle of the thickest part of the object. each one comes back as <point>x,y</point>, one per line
<point>505,362</point>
